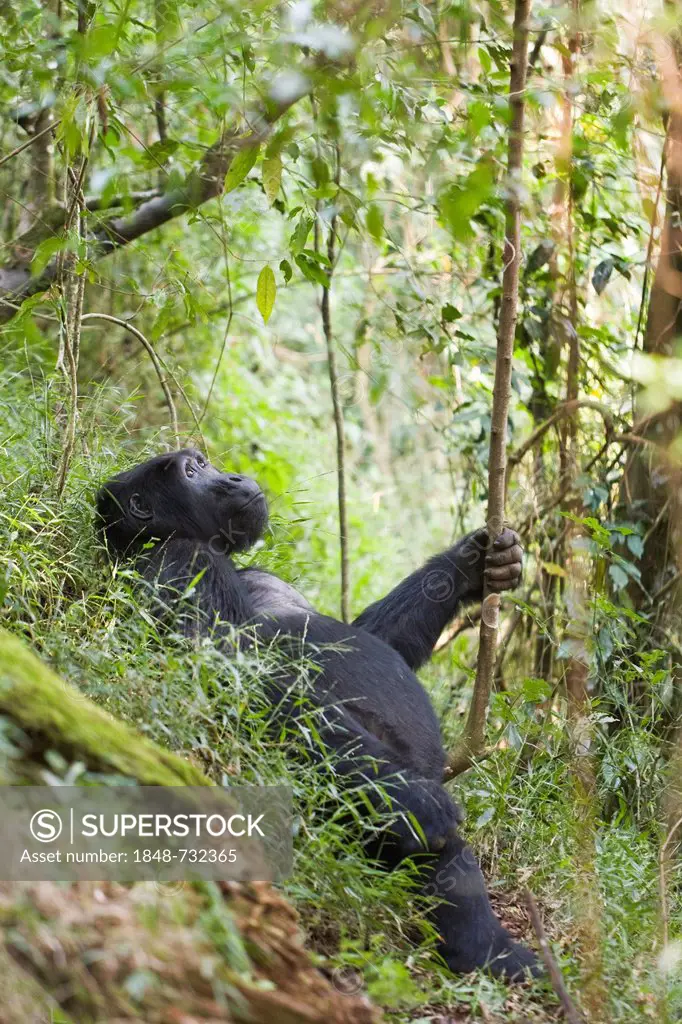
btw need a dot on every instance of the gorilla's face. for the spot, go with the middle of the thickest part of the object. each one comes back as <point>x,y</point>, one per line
<point>181,495</point>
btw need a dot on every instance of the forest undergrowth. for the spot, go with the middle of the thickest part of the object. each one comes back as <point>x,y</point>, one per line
<point>89,621</point>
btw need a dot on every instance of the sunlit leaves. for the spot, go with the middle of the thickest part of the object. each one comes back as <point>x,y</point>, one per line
<point>99,42</point>
<point>649,207</point>
<point>266,290</point>
<point>272,176</point>
<point>553,569</point>
<point>479,115</point>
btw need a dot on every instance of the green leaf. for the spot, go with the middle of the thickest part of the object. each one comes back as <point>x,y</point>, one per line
<point>553,569</point>
<point>72,137</point>
<point>375,222</point>
<point>44,253</point>
<point>312,271</point>
<point>636,545</point>
<point>621,122</point>
<point>348,205</point>
<point>287,271</point>
<point>272,176</point>
<point>536,690</point>
<point>240,166</point>
<point>300,234</point>
<point>159,152</point>
<point>99,42</point>
<point>320,170</point>
<point>328,191</point>
<point>484,57</point>
<point>479,115</point>
<point>649,207</point>
<point>316,257</point>
<point>266,290</point>
<point>450,313</point>
<point>458,203</point>
<point>618,576</point>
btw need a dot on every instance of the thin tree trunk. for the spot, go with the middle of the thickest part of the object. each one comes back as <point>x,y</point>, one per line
<point>339,430</point>
<point>325,309</point>
<point>472,740</point>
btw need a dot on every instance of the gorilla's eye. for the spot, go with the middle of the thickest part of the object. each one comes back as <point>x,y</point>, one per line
<point>138,508</point>
<point>189,469</point>
<point>201,461</point>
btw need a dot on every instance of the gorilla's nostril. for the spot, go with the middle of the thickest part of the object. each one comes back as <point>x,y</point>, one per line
<point>234,479</point>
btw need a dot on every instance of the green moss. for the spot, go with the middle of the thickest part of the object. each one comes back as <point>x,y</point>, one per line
<point>54,713</point>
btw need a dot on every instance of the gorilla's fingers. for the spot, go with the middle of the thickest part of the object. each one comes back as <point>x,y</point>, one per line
<point>507,538</point>
<point>503,572</point>
<point>505,556</point>
<point>505,577</point>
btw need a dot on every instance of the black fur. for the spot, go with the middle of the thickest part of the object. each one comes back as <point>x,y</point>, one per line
<point>374,712</point>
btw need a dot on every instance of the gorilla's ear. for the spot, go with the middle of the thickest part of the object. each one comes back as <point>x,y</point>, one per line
<point>139,508</point>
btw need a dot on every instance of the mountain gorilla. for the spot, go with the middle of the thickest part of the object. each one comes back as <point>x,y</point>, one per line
<point>376,716</point>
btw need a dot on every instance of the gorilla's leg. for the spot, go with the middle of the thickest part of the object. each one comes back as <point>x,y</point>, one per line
<point>471,935</point>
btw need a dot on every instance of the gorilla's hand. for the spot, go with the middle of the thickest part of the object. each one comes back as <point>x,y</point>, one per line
<point>500,566</point>
<point>427,817</point>
<point>504,564</point>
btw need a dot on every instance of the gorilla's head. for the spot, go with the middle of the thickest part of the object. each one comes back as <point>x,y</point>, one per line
<point>180,495</point>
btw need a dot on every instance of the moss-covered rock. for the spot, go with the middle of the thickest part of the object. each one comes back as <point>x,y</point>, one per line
<point>53,715</point>
<point>160,954</point>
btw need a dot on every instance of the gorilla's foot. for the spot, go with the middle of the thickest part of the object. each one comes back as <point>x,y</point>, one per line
<point>471,935</point>
<point>503,958</point>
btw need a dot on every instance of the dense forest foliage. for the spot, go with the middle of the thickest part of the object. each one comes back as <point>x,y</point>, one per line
<point>279,232</point>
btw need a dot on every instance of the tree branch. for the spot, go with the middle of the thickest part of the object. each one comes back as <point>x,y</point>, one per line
<point>556,977</point>
<point>565,409</point>
<point>34,138</point>
<point>206,182</point>
<point>149,348</point>
<point>95,203</point>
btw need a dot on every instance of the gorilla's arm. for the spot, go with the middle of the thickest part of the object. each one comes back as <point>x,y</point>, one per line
<point>413,615</point>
